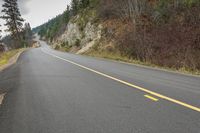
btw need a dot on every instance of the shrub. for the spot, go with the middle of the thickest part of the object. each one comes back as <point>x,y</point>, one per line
<point>64,44</point>
<point>57,47</point>
<point>77,43</point>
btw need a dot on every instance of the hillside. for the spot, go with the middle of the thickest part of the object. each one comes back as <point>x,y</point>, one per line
<point>164,33</point>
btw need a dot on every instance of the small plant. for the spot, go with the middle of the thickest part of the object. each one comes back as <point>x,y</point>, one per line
<point>57,47</point>
<point>77,43</point>
<point>67,48</point>
<point>64,44</point>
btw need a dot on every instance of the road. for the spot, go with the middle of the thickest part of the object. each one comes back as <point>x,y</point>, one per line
<point>56,92</point>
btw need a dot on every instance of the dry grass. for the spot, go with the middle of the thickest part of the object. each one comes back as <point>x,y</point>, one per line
<point>6,56</point>
<point>118,57</point>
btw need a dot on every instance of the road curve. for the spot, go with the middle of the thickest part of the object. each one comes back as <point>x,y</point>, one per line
<point>56,92</point>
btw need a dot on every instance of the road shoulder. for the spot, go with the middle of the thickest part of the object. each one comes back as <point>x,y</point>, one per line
<point>11,62</point>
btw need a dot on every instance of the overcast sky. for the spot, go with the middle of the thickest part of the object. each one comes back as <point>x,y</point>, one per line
<point>37,12</point>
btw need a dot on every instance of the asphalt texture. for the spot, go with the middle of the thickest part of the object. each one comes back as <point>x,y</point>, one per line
<point>49,95</point>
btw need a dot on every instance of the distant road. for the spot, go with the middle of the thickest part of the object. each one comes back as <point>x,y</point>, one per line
<point>56,92</point>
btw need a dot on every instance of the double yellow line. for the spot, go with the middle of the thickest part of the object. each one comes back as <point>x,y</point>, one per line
<point>129,84</point>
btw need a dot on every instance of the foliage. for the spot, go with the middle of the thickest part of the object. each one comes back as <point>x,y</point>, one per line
<point>77,42</point>
<point>84,3</point>
<point>5,57</point>
<point>84,17</point>
<point>74,6</point>
<point>57,47</point>
<point>65,46</point>
<point>27,35</point>
<point>12,16</point>
<point>50,29</point>
<point>57,25</point>
<point>162,32</point>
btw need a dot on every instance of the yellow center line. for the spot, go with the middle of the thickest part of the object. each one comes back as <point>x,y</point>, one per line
<point>152,98</point>
<point>129,84</point>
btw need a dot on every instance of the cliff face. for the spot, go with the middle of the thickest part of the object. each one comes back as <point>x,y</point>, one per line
<point>78,38</point>
<point>71,34</point>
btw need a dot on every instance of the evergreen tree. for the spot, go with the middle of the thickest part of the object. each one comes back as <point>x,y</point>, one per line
<point>68,8</point>
<point>1,45</point>
<point>27,30</point>
<point>27,34</point>
<point>14,21</point>
<point>66,15</point>
<point>84,3</point>
<point>74,6</point>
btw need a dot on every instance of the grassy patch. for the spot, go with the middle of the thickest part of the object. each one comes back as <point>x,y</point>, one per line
<point>6,56</point>
<point>118,57</point>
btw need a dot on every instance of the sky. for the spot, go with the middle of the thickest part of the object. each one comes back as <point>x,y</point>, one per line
<point>36,12</point>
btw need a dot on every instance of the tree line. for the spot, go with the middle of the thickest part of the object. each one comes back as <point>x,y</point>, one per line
<point>19,33</point>
<point>56,26</point>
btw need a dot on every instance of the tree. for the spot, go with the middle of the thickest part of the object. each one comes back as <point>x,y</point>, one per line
<point>84,3</point>
<point>66,15</point>
<point>14,21</point>
<point>27,34</point>
<point>74,6</point>
<point>1,45</point>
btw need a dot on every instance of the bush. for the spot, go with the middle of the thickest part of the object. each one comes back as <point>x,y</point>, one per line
<point>64,44</point>
<point>2,48</point>
<point>77,43</point>
<point>57,47</point>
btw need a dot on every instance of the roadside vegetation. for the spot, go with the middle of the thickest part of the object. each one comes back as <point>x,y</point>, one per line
<point>56,26</point>
<point>116,56</point>
<point>20,34</point>
<point>161,33</point>
<point>6,56</point>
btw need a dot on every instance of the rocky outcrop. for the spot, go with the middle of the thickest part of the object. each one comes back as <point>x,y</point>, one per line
<point>82,37</point>
<point>71,35</point>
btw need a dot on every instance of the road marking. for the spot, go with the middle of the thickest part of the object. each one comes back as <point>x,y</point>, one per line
<point>1,98</point>
<point>129,84</point>
<point>152,98</point>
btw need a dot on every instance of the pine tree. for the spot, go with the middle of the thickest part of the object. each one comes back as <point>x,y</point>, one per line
<point>27,29</point>
<point>68,8</point>
<point>66,15</point>
<point>74,6</point>
<point>84,3</point>
<point>1,45</point>
<point>27,34</point>
<point>14,21</point>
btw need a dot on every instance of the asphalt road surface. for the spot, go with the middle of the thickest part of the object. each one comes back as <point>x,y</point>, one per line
<point>55,92</point>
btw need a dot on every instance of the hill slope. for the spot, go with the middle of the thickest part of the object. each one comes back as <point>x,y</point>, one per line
<point>161,32</point>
